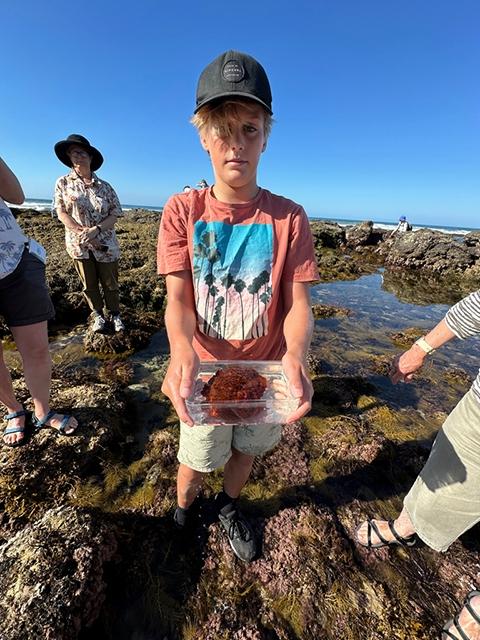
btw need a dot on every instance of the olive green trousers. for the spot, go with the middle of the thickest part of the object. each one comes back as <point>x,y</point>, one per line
<point>93,273</point>
<point>444,501</point>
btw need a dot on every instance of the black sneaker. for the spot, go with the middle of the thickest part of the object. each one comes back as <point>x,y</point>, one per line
<point>186,519</point>
<point>239,531</point>
<point>181,518</point>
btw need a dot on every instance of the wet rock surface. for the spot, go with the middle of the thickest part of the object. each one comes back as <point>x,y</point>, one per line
<point>51,575</point>
<point>430,251</point>
<point>87,544</point>
<point>140,287</point>
<point>329,311</point>
<point>362,235</point>
<point>139,327</point>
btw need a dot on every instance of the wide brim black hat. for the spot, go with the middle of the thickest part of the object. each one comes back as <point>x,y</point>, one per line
<point>61,150</point>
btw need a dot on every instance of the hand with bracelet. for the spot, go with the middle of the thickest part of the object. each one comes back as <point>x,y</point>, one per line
<point>405,365</point>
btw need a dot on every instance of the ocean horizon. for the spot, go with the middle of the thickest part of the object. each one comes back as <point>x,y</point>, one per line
<point>43,204</point>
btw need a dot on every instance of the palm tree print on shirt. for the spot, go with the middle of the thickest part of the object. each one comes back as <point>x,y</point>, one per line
<point>6,218</point>
<point>232,267</point>
<point>10,253</point>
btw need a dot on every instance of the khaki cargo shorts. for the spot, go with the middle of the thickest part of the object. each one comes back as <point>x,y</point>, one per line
<point>205,448</point>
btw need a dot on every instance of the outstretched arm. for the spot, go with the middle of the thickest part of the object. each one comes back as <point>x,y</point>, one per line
<point>405,365</point>
<point>298,329</point>
<point>10,188</point>
<point>461,321</point>
<point>180,322</point>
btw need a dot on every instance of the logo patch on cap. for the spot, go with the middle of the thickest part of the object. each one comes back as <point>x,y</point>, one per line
<point>233,71</point>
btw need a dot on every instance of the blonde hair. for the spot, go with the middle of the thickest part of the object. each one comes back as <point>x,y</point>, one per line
<point>219,116</point>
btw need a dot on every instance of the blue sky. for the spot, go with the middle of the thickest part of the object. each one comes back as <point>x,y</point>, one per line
<point>377,103</point>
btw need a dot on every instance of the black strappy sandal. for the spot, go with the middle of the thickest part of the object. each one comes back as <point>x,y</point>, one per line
<point>409,541</point>
<point>455,622</point>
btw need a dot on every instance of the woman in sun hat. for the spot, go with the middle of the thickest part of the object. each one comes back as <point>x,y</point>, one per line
<point>89,207</point>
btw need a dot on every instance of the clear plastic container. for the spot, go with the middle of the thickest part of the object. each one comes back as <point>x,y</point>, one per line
<point>241,392</point>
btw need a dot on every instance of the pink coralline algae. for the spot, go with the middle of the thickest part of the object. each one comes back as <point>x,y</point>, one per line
<point>288,461</point>
<point>292,542</point>
<point>349,442</point>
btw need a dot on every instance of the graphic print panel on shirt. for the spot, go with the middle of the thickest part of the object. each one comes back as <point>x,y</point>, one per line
<point>232,272</point>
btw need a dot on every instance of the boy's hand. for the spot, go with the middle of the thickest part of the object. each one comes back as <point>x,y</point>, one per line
<point>179,379</point>
<point>299,383</point>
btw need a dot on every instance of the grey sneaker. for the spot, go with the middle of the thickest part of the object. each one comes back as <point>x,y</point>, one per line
<point>98,324</point>
<point>239,532</point>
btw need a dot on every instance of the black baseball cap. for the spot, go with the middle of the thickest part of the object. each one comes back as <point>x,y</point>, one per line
<point>234,74</point>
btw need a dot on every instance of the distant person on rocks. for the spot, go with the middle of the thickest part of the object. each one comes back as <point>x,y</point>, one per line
<point>89,208</point>
<point>25,306</point>
<point>444,501</point>
<point>403,226</point>
<point>221,243</point>
<point>203,184</point>
<point>187,188</point>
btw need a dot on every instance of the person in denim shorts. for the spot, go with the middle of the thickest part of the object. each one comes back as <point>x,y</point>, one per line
<point>25,306</point>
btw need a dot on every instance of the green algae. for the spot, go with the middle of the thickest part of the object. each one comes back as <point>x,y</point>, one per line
<point>289,608</point>
<point>177,595</point>
<point>405,338</point>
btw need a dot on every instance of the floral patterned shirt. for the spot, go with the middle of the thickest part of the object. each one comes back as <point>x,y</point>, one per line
<point>88,205</point>
<point>12,241</point>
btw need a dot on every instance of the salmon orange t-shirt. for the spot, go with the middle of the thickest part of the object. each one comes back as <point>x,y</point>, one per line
<point>238,255</point>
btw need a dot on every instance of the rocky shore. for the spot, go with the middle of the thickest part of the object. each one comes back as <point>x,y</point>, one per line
<point>87,545</point>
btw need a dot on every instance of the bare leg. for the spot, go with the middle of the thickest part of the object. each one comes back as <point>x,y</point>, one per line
<point>32,343</point>
<point>236,473</point>
<point>7,397</point>
<point>403,525</point>
<point>189,483</point>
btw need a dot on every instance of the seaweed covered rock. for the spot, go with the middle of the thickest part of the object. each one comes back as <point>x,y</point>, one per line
<point>315,364</point>
<point>321,311</point>
<point>41,473</point>
<point>327,234</point>
<point>405,338</point>
<point>51,575</point>
<point>363,234</point>
<point>287,463</point>
<point>336,260</point>
<point>139,328</point>
<point>350,444</point>
<point>431,251</point>
<point>340,391</point>
<point>140,286</point>
<point>472,239</point>
<point>416,287</point>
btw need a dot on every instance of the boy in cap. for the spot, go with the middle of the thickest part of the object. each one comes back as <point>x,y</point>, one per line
<point>219,244</point>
